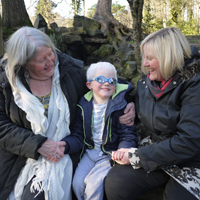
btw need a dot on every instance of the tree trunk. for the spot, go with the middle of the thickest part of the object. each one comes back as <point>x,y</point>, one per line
<point>83,7</point>
<point>1,37</point>
<point>136,7</point>
<point>109,25</point>
<point>15,14</point>
<point>104,16</point>
<point>76,7</point>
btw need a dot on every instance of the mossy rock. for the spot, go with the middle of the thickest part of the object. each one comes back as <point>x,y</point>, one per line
<point>134,80</point>
<point>118,67</point>
<point>129,69</point>
<point>105,50</point>
<point>89,49</point>
<point>91,27</point>
<point>129,56</point>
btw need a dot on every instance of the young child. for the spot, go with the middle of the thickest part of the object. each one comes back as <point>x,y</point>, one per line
<point>97,130</point>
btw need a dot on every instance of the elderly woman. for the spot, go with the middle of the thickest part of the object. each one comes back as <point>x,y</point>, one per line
<point>38,95</point>
<point>167,104</point>
<point>39,90</point>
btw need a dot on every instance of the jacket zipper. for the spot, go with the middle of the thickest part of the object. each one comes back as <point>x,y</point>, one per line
<point>85,143</point>
<point>107,135</point>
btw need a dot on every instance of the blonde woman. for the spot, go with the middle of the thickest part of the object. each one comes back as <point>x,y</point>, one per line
<point>167,104</point>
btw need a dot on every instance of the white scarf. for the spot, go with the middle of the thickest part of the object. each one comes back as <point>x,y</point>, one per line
<point>52,178</point>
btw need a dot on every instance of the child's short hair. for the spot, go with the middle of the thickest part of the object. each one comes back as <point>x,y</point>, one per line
<point>100,66</point>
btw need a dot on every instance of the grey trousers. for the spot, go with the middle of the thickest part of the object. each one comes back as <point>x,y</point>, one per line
<point>88,181</point>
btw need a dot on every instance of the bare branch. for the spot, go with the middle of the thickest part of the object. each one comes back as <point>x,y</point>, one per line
<point>32,4</point>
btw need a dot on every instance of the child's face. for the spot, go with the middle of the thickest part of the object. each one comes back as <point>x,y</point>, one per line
<point>102,92</point>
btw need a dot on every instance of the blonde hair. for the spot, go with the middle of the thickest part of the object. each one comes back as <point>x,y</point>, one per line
<point>170,47</point>
<point>100,66</point>
<point>22,47</point>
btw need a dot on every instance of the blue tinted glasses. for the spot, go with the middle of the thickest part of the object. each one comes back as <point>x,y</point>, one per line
<point>102,79</point>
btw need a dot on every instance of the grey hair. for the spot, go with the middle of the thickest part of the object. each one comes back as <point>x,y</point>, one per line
<point>22,47</point>
<point>170,47</point>
<point>100,66</point>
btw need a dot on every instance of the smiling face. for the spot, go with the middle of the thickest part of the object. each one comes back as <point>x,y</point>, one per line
<point>102,92</point>
<point>42,66</point>
<point>152,63</point>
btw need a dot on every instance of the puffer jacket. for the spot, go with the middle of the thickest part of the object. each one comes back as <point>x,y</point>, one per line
<point>17,141</point>
<point>173,120</point>
<point>115,135</point>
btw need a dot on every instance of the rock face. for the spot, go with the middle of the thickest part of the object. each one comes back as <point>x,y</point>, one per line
<point>40,22</point>
<point>91,27</point>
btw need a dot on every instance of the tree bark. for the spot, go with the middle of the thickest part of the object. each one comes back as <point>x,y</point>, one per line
<point>76,7</point>
<point>83,7</point>
<point>136,7</point>
<point>15,14</point>
<point>109,25</point>
<point>1,37</point>
<point>103,15</point>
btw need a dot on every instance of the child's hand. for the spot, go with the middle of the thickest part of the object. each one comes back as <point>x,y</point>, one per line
<point>121,156</point>
<point>117,155</point>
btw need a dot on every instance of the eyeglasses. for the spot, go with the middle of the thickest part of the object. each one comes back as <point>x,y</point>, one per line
<point>102,79</point>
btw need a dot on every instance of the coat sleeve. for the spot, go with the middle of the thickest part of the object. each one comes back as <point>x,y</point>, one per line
<point>185,144</point>
<point>127,134</point>
<point>75,141</point>
<point>13,137</point>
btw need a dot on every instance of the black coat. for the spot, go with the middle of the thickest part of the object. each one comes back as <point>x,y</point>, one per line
<point>173,120</point>
<point>17,141</point>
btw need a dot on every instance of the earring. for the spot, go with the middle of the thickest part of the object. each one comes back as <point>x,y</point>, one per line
<point>26,75</point>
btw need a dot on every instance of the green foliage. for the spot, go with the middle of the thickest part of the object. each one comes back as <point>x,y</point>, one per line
<point>152,20</point>
<point>158,24</point>
<point>176,8</point>
<point>45,7</point>
<point>116,8</point>
<point>148,18</point>
<point>78,6</point>
<point>119,12</point>
<point>189,28</point>
<point>91,11</point>
<point>57,40</point>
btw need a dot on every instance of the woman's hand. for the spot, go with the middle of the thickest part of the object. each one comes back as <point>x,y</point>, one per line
<point>56,159</point>
<point>129,116</point>
<point>51,149</point>
<point>121,156</point>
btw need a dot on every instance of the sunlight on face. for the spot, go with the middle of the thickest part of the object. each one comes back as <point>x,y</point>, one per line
<point>42,66</point>
<point>152,63</point>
